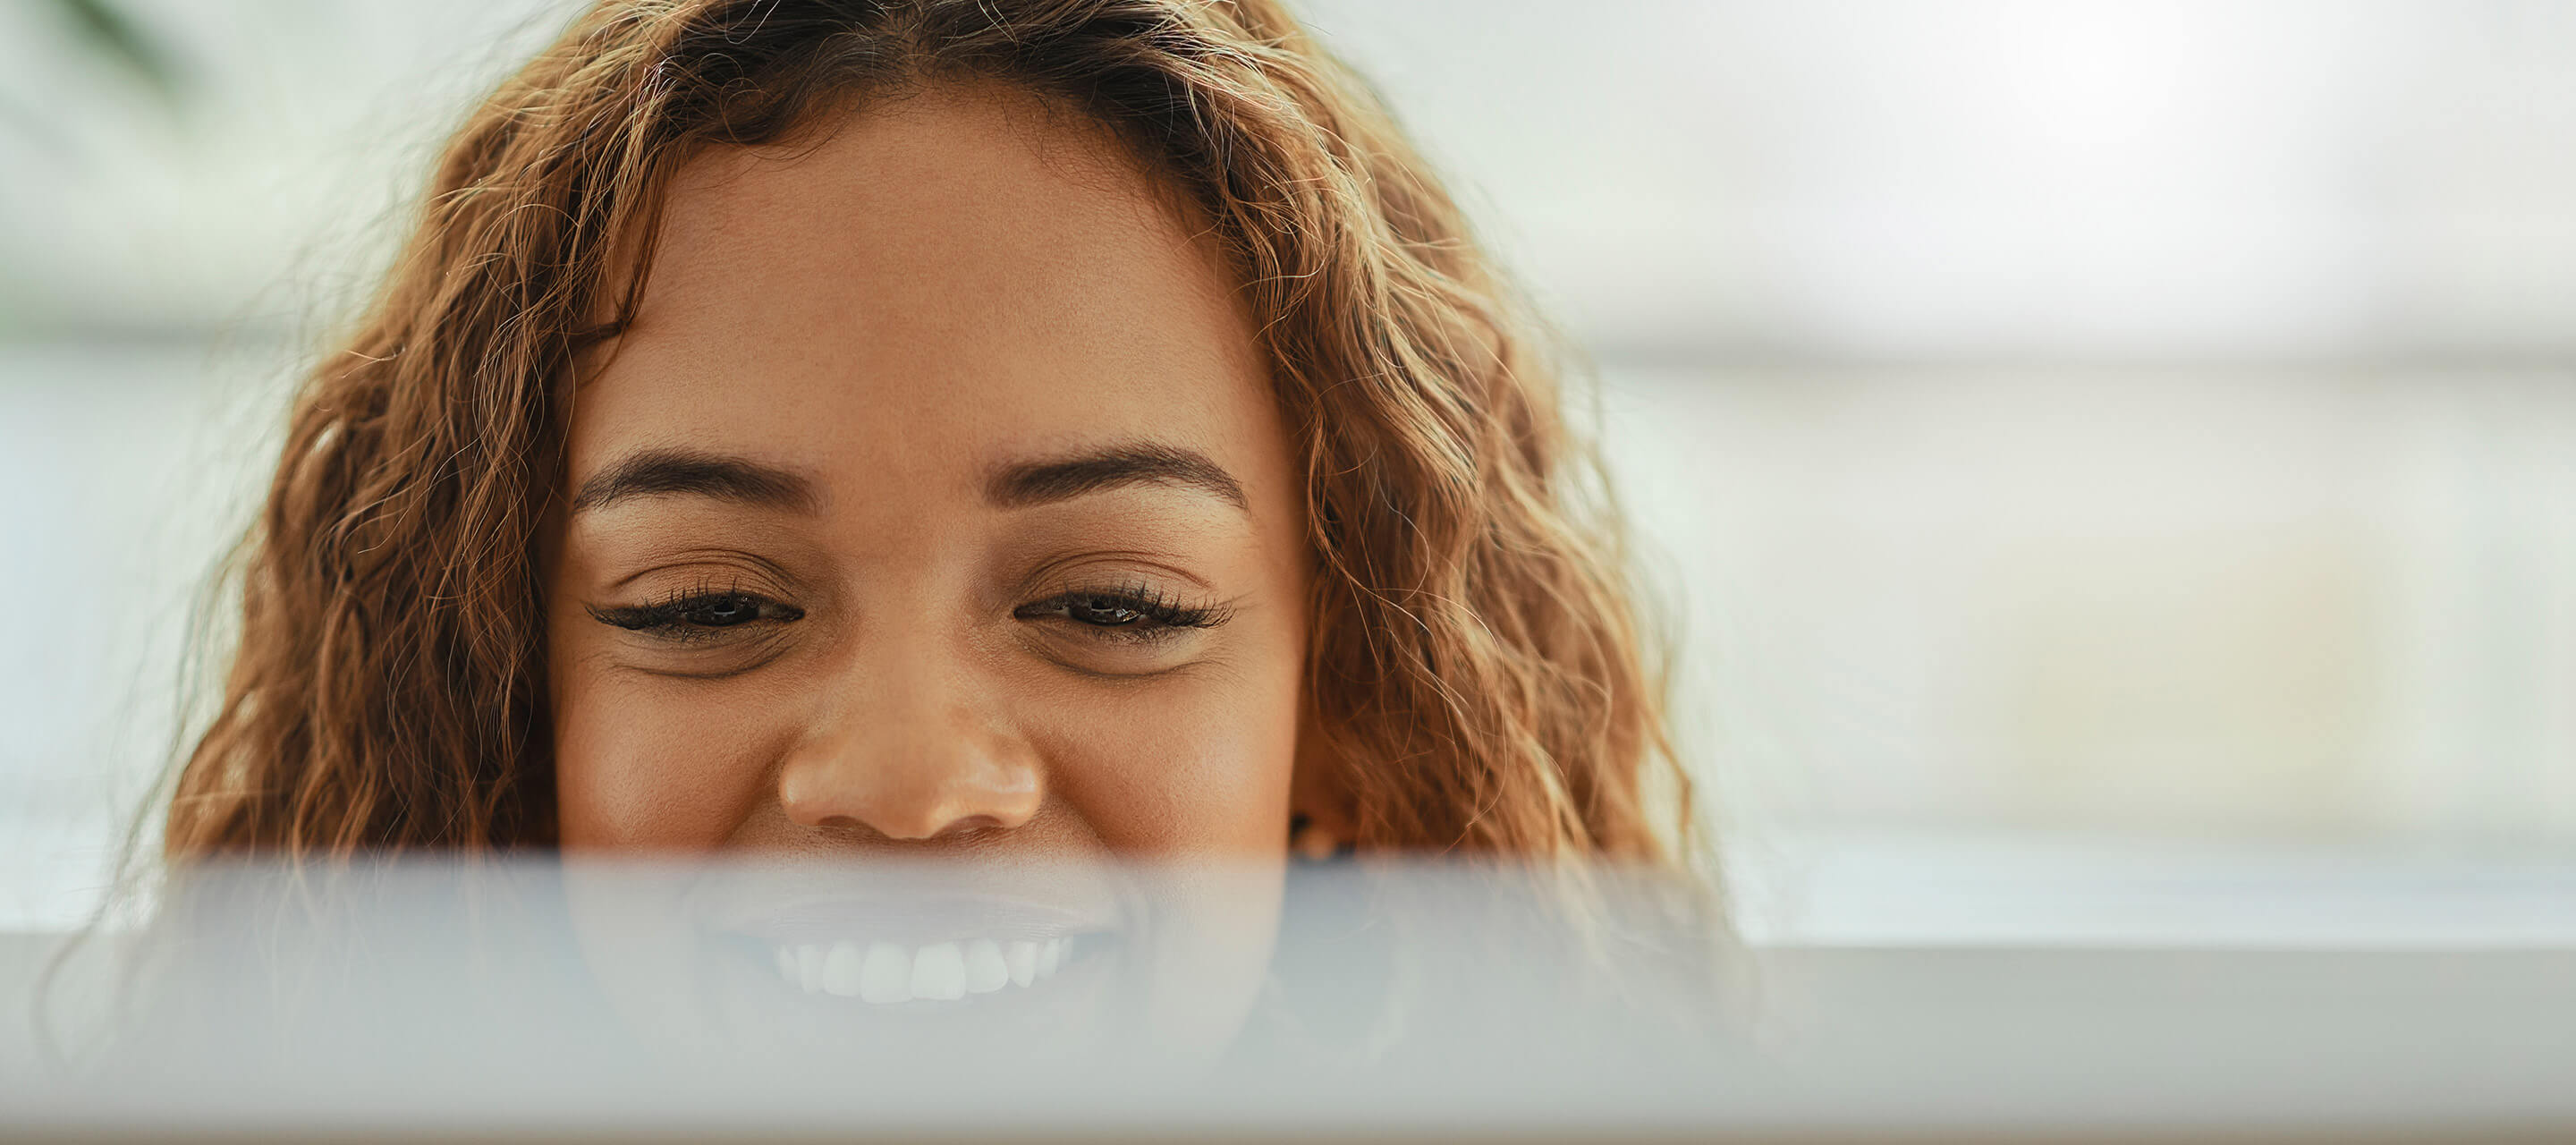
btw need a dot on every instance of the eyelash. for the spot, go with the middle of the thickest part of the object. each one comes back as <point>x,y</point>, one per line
<point>1161,612</point>
<point>670,617</point>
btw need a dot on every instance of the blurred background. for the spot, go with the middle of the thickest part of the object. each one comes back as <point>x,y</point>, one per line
<point>2109,465</point>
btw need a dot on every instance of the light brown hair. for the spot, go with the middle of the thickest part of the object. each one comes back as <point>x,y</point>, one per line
<point>1476,660</point>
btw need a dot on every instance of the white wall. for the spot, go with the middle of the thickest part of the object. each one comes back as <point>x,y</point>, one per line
<point>1983,180</point>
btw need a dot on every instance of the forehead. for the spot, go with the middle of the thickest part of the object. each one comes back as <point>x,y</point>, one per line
<point>947,275</point>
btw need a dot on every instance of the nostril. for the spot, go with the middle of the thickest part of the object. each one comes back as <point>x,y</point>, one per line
<point>969,825</point>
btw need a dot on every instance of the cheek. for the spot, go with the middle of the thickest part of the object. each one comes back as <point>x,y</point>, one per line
<point>1197,765</point>
<point>650,763</point>
<point>1197,769</point>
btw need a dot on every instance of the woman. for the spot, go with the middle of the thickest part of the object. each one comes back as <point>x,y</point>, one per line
<point>993,434</point>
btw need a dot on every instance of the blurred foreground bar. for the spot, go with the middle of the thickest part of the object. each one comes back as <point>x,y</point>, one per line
<point>1419,1004</point>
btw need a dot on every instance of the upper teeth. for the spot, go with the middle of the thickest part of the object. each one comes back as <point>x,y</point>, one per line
<point>887,972</point>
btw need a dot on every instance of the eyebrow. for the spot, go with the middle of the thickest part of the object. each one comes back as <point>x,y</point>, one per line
<point>1032,483</point>
<point>668,472</point>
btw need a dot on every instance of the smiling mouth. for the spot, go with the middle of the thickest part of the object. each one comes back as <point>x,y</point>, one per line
<point>885,973</point>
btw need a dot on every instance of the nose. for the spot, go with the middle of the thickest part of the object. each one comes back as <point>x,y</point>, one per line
<point>911,754</point>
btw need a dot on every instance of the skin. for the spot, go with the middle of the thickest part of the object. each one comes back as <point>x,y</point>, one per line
<point>980,361</point>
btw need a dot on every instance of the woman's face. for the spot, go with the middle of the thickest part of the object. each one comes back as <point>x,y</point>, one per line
<point>934,510</point>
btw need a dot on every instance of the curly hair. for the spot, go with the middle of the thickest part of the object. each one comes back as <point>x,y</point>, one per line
<point>1476,660</point>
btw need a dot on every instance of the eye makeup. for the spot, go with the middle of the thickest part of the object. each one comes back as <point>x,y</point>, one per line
<point>703,632</point>
<point>1121,624</point>
<point>699,615</point>
<point>1134,610</point>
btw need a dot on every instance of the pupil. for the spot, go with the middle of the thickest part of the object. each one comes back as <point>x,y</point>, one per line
<point>1106,611</point>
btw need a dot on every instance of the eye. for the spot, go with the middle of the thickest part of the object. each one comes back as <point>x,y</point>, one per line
<point>697,614</point>
<point>1104,611</point>
<point>722,611</point>
<point>1139,610</point>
